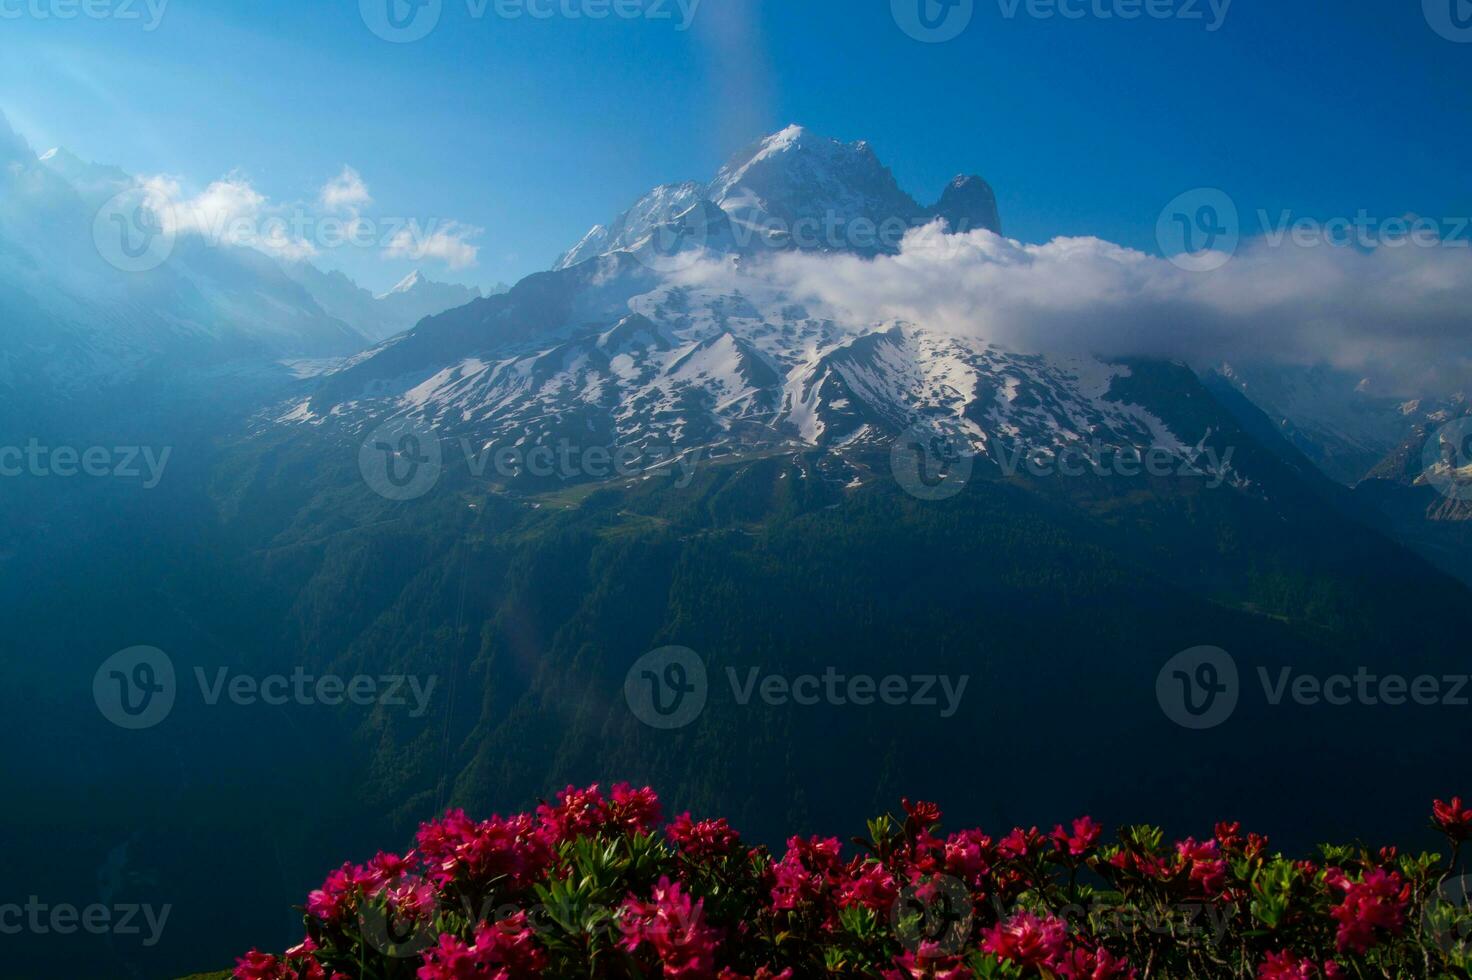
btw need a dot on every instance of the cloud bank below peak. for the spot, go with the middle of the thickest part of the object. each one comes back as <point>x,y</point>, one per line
<point>1401,317</point>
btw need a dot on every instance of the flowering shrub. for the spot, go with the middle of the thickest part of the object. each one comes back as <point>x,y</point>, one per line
<point>592,887</point>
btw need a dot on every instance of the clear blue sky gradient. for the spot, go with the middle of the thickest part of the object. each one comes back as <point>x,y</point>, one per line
<point>535,129</point>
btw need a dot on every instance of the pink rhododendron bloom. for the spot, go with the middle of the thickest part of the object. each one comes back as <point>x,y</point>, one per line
<point>1085,835</point>
<point>704,840</point>
<point>256,965</point>
<point>968,856</point>
<point>929,963</point>
<point>635,809</point>
<point>335,899</point>
<point>303,948</point>
<point>675,926</point>
<point>579,812</point>
<point>925,814</point>
<point>1208,870</point>
<point>385,868</point>
<point>1377,902</point>
<point>806,872</point>
<point>457,848</point>
<point>1027,940</point>
<point>505,950</point>
<point>1017,844</point>
<point>1452,819</point>
<point>1287,965</point>
<point>451,959</point>
<point>872,887</point>
<point>784,918</point>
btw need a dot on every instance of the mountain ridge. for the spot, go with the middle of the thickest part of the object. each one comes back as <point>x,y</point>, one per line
<point>792,189</point>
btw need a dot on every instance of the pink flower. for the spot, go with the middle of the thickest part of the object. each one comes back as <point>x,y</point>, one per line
<point>450,959</point>
<point>927,964</point>
<point>334,901</point>
<point>675,926</point>
<point>1452,819</point>
<point>806,872</point>
<point>635,809</point>
<point>256,965</point>
<point>1027,940</point>
<point>1207,869</point>
<point>456,848</point>
<point>968,855</point>
<point>304,948</point>
<point>704,840</point>
<point>501,951</point>
<point>1377,902</point>
<point>1286,966</point>
<point>1084,836</point>
<point>1018,843</point>
<point>578,813</point>
<point>385,868</point>
<point>872,887</point>
<point>924,814</point>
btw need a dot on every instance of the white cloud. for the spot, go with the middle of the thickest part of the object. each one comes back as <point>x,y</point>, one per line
<point>229,212</point>
<point>1399,316</point>
<point>345,192</point>
<point>447,242</point>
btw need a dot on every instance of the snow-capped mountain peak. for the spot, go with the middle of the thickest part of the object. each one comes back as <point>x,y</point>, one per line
<point>73,168</point>
<point>660,206</point>
<point>795,149</point>
<point>414,280</point>
<point>795,189</point>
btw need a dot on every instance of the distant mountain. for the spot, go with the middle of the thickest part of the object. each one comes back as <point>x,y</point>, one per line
<point>88,310</point>
<point>80,314</point>
<point>795,189</point>
<point>613,348</point>
<point>382,316</point>
<point>609,351</point>
<point>1334,418</point>
<point>1423,488</point>
<point>94,182</point>
<point>621,349</point>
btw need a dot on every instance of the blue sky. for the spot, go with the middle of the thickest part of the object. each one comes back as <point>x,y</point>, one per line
<point>531,129</point>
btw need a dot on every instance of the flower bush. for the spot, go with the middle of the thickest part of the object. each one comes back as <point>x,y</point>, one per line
<point>593,886</point>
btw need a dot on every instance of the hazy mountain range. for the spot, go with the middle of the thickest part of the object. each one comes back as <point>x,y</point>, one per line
<point>77,321</point>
